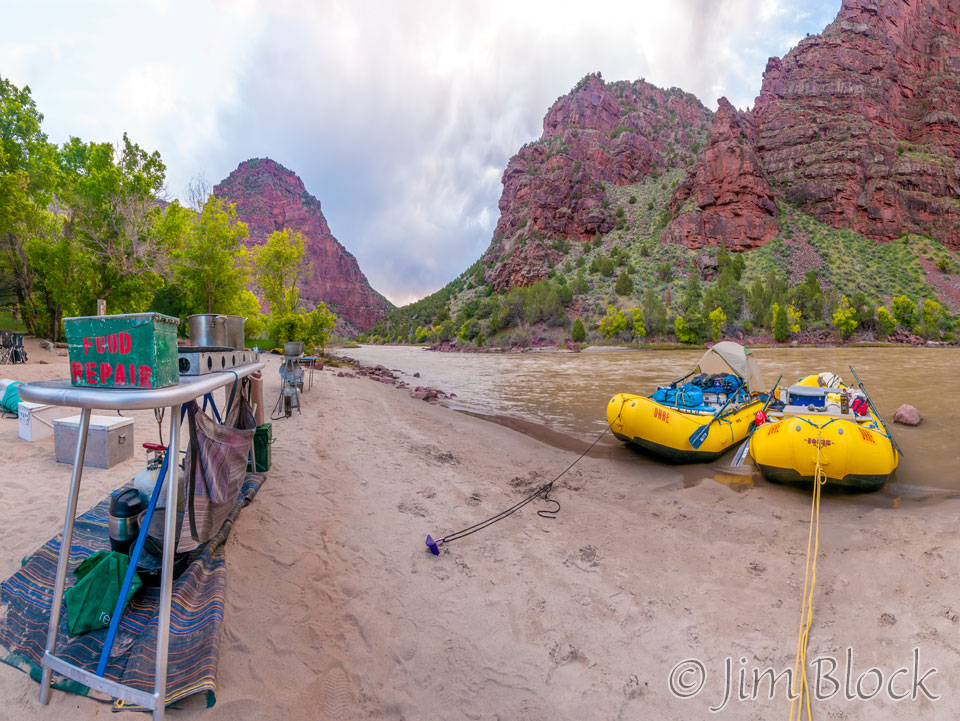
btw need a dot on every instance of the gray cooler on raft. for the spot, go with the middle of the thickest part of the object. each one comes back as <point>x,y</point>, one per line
<point>109,442</point>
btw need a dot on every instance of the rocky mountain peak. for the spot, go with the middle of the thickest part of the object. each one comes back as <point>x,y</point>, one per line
<point>270,197</point>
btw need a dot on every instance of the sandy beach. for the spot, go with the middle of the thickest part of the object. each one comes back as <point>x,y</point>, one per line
<point>336,610</point>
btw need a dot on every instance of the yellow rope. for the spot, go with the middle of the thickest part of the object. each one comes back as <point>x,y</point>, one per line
<point>801,687</point>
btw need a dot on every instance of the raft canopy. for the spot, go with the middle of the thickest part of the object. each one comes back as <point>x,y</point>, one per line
<point>730,357</point>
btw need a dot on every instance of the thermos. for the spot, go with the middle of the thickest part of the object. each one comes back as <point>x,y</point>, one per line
<point>124,523</point>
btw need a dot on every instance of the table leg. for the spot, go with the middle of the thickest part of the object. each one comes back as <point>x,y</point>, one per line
<point>66,541</point>
<point>166,577</point>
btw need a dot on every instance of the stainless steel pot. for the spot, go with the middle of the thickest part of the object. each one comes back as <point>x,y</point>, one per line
<point>208,329</point>
<point>235,331</point>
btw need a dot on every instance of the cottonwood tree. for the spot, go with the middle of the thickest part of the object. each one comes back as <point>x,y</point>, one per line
<point>28,181</point>
<point>116,216</point>
<point>277,267</point>
<point>211,266</point>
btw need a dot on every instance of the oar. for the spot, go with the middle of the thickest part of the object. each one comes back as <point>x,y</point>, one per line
<point>875,411</point>
<point>674,384</point>
<point>742,451</point>
<point>700,435</point>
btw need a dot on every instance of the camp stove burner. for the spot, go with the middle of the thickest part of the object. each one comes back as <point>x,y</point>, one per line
<point>200,360</point>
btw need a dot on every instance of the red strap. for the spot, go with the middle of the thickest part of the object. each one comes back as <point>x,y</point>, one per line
<point>154,447</point>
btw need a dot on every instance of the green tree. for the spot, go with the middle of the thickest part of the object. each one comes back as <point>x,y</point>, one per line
<point>468,331</point>
<point>318,324</point>
<point>845,318</point>
<point>886,323</point>
<point>624,285</point>
<point>684,333</point>
<point>794,318</point>
<point>246,304</point>
<point>639,329</point>
<point>211,267</point>
<point>717,320</point>
<point>692,292</point>
<point>781,326</point>
<point>29,177</point>
<point>114,215</point>
<point>904,310</point>
<point>277,266</point>
<point>613,323</point>
<point>579,284</point>
<point>654,313</point>
<point>578,333</point>
<point>810,296</point>
<point>930,318</point>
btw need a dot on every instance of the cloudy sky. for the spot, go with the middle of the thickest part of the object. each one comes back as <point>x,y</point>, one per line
<point>399,116</point>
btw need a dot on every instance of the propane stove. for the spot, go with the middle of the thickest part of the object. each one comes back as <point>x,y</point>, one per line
<point>200,360</point>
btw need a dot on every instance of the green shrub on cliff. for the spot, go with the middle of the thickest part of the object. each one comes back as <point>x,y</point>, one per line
<point>613,323</point>
<point>886,323</point>
<point>717,320</point>
<point>845,318</point>
<point>904,310</point>
<point>578,333</point>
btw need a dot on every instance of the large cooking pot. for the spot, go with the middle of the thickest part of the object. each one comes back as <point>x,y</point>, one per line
<point>235,331</point>
<point>208,329</point>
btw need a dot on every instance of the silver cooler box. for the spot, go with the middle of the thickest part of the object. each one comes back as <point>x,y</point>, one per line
<point>109,442</point>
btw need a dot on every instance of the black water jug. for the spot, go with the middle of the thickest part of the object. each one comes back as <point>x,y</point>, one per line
<point>125,508</point>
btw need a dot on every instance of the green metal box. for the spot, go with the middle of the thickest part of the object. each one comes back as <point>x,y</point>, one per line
<point>135,350</point>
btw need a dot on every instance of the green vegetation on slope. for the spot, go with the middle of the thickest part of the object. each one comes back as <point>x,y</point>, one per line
<point>804,274</point>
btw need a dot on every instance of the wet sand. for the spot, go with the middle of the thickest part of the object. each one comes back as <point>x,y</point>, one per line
<point>336,610</point>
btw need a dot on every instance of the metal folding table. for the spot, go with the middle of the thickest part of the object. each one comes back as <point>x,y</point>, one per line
<point>62,393</point>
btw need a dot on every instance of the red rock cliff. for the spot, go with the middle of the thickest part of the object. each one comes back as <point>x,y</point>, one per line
<point>598,133</point>
<point>860,125</point>
<point>726,199</point>
<point>269,198</point>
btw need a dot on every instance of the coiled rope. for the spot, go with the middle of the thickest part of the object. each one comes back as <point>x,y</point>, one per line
<point>801,686</point>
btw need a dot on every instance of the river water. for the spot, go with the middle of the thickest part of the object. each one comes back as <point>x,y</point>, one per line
<point>561,398</point>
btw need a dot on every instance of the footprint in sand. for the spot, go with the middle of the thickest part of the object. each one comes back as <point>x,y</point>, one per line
<point>335,697</point>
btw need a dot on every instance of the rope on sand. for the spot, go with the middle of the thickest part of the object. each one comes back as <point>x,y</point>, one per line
<point>543,491</point>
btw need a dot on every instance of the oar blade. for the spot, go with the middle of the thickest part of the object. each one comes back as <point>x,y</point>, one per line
<point>700,435</point>
<point>741,456</point>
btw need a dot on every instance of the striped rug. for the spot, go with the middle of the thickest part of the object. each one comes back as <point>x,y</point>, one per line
<point>195,619</point>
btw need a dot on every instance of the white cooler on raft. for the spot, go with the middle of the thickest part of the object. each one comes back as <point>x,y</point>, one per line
<point>36,420</point>
<point>109,442</point>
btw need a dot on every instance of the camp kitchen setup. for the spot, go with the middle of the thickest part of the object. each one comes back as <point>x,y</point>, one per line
<point>158,524</point>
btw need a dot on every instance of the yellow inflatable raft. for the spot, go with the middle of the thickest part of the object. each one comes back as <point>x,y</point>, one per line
<point>698,421</point>
<point>808,427</point>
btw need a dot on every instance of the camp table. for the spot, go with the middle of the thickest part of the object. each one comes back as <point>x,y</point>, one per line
<point>62,393</point>
<point>312,360</point>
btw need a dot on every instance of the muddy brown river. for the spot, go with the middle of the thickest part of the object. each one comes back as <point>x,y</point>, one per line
<point>561,398</point>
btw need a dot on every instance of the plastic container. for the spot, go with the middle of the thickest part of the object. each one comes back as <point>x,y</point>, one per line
<point>36,420</point>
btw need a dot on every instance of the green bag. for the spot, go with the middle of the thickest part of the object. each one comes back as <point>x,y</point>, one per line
<point>11,398</point>
<point>94,596</point>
